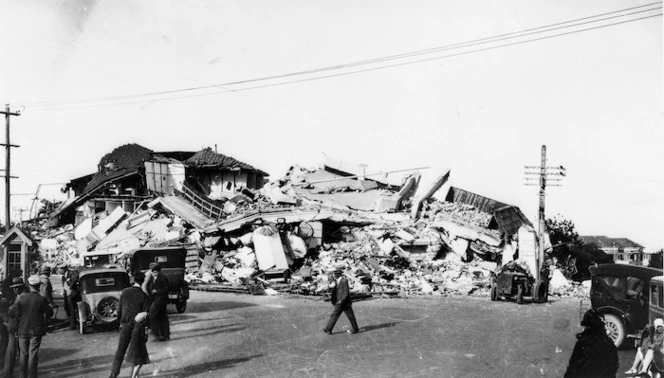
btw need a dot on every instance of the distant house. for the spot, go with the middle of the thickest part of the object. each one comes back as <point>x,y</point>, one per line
<point>622,250</point>
<point>132,174</point>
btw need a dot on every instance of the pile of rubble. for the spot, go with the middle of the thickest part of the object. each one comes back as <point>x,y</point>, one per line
<point>291,234</point>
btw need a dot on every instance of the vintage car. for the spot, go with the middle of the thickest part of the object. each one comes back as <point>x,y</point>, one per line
<point>100,296</point>
<point>621,293</point>
<point>172,261</point>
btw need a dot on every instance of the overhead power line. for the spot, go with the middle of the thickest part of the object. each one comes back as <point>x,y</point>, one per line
<point>195,91</point>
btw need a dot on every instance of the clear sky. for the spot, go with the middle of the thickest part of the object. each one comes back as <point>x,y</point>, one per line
<point>594,98</point>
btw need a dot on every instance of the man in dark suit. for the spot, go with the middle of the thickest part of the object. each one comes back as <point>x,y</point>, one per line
<point>132,302</point>
<point>32,314</point>
<point>158,316</point>
<point>342,303</point>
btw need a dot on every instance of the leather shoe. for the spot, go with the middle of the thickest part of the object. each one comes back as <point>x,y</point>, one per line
<point>329,332</point>
<point>355,331</point>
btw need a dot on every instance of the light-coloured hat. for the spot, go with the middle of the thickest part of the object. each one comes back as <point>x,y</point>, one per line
<point>33,280</point>
<point>658,322</point>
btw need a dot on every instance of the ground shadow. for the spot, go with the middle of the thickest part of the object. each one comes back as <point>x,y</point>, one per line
<point>81,367</point>
<point>48,354</point>
<point>204,367</point>
<point>197,308</point>
<point>207,331</point>
<point>377,326</point>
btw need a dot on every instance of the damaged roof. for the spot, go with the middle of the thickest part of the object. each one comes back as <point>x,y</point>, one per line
<point>122,162</point>
<point>509,219</point>
<point>206,158</point>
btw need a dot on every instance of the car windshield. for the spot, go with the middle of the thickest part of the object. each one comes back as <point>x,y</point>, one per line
<point>103,282</point>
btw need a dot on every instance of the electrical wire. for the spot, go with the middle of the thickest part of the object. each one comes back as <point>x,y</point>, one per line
<point>532,31</point>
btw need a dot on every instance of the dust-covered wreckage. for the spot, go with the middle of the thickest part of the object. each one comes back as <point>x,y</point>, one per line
<point>247,234</point>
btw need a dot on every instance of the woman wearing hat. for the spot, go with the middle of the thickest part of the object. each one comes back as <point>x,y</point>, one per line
<point>651,350</point>
<point>595,354</point>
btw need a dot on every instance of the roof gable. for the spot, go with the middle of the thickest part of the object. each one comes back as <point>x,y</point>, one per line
<point>121,162</point>
<point>21,233</point>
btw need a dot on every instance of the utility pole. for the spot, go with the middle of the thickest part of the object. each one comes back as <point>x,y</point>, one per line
<point>544,174</point>
<point>8,146</point>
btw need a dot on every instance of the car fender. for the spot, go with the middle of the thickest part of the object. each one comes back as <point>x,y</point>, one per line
<point>619,313</point>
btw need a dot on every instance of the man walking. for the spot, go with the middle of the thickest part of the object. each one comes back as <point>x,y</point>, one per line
<point>133,301</point>
<point>32,314</point>
<point>158,316</point>
<point>342,303</point>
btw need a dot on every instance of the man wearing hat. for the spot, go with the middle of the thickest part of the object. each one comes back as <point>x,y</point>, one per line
<point>32,314</point>
<point>17,287</point>
<point>342,303</point>
<point>46,289</point>
<point>158,316</point>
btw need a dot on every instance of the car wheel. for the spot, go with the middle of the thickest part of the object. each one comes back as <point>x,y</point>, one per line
<point>615,328</point>
<point>494,293</point>
<point>519,295</point>
<point>181,306</point>
<point>541,292</point>
<point>107,309</point>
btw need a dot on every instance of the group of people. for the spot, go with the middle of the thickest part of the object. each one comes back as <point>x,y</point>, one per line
<point>25,311</point>
<point>595,354</point>
<point>142,307</point>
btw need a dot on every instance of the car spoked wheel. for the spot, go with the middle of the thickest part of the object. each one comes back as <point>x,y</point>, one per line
<point>108,309</point>
<point>615,329</point>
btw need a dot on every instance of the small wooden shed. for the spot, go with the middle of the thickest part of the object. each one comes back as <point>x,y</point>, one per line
<point>16,247</point>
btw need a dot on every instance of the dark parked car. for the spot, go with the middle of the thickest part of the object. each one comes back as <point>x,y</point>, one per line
<point>172,261</point>
<point>621,293</point>
<point>100,296</point>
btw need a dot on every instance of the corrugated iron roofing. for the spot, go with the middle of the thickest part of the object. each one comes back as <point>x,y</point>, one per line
<point>509,219</point>
<point>482,203</point>
<point>210,159</point>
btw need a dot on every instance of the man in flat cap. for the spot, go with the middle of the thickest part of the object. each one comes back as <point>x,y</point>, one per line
<point>342,303</point>
<point>32,314</point>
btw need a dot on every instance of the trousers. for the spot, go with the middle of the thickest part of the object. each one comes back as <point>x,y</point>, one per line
<point>159,320</point>
<point>10,355</point>
<point>336,313</point>
<point>29,355</point>
<point>123,344</point>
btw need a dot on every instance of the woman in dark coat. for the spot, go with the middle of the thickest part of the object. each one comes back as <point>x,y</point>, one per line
<point>595,354</point>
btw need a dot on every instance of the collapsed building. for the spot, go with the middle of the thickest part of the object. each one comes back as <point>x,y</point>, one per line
<point>245,234</point>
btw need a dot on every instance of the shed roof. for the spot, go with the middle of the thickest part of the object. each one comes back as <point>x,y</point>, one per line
<point>206,158</point>
<point>23,234</point>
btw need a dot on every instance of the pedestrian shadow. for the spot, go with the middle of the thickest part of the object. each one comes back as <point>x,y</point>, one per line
<point>197,308</point>
<point>79,367</point>
<point>209,331</point>
<point>377,326</point>
<point>205,367</point>
<point>48,354</point>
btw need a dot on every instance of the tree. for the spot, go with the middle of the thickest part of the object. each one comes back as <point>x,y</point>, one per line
<point>572,252</point>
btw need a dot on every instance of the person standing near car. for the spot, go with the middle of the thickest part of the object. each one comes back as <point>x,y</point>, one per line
<point>32,314</point>
<point>158,316</point>
<point>595,354</point>
<point>132,313</point>
<point>72,295</point>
